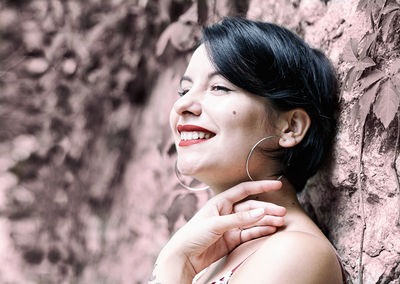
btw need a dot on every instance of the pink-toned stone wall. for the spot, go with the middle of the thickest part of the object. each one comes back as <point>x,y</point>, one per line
<point>87,186</point>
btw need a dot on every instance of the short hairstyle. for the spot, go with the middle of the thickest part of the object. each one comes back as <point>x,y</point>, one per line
<point>270,61</point>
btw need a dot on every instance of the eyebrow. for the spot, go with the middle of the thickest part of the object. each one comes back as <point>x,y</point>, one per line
<point>187,78</point>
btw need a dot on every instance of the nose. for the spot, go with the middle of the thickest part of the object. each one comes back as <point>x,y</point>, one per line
<point>189,104</point>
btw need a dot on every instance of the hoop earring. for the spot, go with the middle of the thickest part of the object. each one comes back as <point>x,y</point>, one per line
<point>179,177</point>
<point>251,152</point>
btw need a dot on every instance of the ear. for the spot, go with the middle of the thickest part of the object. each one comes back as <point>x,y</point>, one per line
<point>293,127</point>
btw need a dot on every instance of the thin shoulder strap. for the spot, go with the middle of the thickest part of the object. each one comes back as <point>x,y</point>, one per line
<point>237,266</point>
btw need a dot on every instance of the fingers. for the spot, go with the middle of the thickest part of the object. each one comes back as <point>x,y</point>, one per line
<point>272,212</point>
<point>267,220</point>
<point>256,232</point>
<point>270,208</point>
<point>245,189</point>
<point>221,224</point>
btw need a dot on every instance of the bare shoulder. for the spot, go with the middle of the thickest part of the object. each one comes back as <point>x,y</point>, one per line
<point>291,257</point>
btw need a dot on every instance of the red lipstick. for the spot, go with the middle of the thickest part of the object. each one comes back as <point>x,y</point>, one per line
<point>189,128</point>
<point>183,143</point>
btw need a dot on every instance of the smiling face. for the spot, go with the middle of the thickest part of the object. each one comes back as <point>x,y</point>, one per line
<point>215,124</point>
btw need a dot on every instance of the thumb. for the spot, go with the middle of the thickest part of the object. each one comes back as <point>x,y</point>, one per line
<point>237,220</point>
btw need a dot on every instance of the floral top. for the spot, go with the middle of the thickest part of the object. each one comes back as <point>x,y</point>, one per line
<point>222,280</point>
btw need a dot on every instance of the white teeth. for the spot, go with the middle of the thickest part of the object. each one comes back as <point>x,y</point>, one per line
<point>191,135</point>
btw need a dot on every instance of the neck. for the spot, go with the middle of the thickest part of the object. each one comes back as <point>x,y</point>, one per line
<point>285,197</point>
<point>295,219</point>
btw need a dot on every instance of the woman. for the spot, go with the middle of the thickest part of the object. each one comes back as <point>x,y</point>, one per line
<point>254,122</point>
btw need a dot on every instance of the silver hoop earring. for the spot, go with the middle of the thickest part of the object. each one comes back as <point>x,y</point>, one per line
<point>251,152</point>
<point>179,177</point>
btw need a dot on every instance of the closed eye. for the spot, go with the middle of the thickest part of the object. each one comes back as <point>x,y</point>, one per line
<point>220,88</point>
<point>216,88</point>
<point>182,92</point>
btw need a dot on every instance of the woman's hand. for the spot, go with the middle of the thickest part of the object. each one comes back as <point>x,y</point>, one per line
<point>223,223</point>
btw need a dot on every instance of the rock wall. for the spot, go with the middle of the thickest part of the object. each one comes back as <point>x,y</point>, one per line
<point>87,186</point>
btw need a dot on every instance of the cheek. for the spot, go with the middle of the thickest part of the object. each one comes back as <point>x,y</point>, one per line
<point>244,120</point>
<point>246,126</point>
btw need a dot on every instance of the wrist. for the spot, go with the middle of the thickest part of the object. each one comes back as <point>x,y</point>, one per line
<point>172,267</point>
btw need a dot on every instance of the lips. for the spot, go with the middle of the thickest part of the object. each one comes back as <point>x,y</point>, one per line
<point>189,127</point>
<point>193,134</point>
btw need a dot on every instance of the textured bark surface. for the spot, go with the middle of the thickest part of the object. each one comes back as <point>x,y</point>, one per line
<point>87,186</point>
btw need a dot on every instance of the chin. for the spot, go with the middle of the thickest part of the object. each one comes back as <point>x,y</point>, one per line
<point>188,168</point>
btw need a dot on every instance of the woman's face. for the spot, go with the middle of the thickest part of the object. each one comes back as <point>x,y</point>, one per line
<point>228,121</point>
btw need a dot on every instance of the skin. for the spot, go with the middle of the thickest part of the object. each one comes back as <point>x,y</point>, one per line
<point>207,104</point>
<point>244,221</point>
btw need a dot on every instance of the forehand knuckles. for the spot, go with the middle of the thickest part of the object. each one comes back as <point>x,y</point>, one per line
<point>243,216</point>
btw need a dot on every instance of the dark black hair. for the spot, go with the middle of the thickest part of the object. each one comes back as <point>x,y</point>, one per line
<point>271,61</point>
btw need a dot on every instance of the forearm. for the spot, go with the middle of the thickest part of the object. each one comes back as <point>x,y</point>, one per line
<point>172,269</point>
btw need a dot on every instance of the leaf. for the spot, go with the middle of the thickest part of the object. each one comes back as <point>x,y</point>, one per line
<point>345,84</point>
<point>364,64</point>
<point>362,4</point>
<point>350,51</point>
<point>355,72</point>
<point>181,35</point>
<point>163,40</point>
<point>395,67</point>
<point>387,25</point>
<point>387,103</point>
<point>396,83</point>
<point>380,3</point>
<point>371,78</point>
<point>366,101</point>
<point>185,36</point>
<point>390,8</point>
<point>369,6</point>
<point>369,39</point>
<point>349,80</point>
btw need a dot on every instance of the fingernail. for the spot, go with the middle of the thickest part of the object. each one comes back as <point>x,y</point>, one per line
<point>257,212</point>
<point>283,209</point>
<point>269,181</point>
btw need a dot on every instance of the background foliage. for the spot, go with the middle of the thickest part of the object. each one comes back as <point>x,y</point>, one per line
<point>87,189</point>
